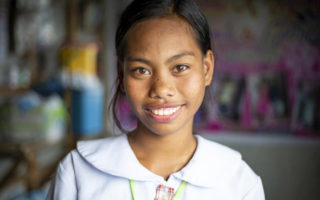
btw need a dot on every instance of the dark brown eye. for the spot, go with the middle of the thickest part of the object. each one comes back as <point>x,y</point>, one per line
<point>180,68</point>
<point>141,70</point>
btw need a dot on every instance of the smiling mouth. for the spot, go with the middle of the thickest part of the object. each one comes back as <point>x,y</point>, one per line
<point>165,111</point>
<point>164,114</point>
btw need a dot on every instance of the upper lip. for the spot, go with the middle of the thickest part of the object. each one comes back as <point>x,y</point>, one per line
<point>163,106</point>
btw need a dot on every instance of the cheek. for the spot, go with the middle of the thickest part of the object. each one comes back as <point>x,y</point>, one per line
<point>193,91</point>
<point>194,87</point>
<point>131,87</point>
<point>130,84</point>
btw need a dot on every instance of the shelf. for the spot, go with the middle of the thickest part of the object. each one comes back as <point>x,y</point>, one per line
<point>260,138</point>
<point>39,158</point>
<point>7,92</point>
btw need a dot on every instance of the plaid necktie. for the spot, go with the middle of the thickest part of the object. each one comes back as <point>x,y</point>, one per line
<point>164,193</point>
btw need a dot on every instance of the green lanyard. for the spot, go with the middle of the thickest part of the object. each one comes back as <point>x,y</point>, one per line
<point>176,196</point>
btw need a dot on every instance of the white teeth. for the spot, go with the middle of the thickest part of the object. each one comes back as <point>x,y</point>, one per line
<point>165,111</point>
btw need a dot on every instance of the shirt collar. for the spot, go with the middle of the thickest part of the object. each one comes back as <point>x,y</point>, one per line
<point>115,156</point>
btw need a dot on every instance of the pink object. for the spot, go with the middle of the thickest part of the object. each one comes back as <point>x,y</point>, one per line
<point>263,104</point>
<point>246,114</point>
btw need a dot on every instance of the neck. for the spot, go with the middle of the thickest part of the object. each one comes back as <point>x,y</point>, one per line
<point>169,145</point>
<point>163,154</point>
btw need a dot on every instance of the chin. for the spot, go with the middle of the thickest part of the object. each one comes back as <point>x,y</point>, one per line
<point>164,129</point>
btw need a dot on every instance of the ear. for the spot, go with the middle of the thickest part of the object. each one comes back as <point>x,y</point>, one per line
<point>208,62</point>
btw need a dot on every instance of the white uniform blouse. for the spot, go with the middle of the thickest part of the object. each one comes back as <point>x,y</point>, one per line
<point>101,169</point>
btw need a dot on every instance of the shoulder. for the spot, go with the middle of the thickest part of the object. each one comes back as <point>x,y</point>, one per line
<point>223,159</point>
<point>221,166</point>
<point>112,156</point>
<point>213,152</point>
<point>96,147</point>
<point>92,152</point>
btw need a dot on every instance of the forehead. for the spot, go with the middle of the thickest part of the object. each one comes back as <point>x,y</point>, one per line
<point>170,32</point>
<point>165,23</point>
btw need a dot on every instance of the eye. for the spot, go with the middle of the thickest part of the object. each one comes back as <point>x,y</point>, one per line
<point>180,68</point>
<point>141,71</point>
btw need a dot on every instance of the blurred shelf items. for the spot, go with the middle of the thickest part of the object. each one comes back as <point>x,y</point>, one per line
<point>267,67</point>
<point>51,91</point>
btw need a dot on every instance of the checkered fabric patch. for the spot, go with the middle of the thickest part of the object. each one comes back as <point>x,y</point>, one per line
<point>164,193</point>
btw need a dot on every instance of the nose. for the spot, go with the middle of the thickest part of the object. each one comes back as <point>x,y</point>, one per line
<point>162,87</point>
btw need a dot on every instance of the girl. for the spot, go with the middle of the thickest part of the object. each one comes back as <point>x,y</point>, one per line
<point>165,63</point>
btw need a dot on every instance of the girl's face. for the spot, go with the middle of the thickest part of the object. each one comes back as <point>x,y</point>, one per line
<point>165,74</point>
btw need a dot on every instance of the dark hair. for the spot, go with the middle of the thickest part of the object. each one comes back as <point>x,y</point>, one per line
<point>140,10</point>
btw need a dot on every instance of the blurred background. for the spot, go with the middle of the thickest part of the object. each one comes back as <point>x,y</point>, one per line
<point>58,68</point>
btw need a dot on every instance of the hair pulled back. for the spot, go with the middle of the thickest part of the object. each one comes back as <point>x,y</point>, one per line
<point>140,10</point>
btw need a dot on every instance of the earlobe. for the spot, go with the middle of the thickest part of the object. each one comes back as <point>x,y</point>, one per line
<point>208,66</point>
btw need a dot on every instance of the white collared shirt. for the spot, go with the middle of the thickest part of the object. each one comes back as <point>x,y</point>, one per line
<point>101,169</point>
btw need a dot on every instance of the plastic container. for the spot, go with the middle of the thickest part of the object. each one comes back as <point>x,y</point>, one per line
<point>87,112</point>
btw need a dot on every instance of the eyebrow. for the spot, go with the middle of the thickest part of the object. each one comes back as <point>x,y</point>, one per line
<point>176,57</point>
<point>169,60</point>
